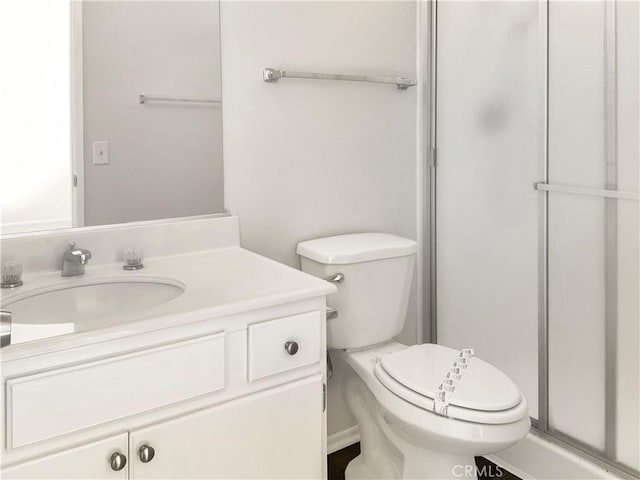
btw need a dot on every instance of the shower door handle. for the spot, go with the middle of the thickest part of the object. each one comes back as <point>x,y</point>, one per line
<point>594,192</point>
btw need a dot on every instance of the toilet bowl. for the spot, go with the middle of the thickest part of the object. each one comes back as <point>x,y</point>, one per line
<point>423,411</point>
<point>402,437</point>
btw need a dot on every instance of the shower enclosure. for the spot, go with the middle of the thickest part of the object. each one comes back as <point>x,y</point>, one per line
<point>535,209</point>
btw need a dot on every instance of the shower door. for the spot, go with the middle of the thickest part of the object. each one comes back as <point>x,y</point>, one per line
<point>537,211</point>
<point>489,121</point>
<point>593,242</point>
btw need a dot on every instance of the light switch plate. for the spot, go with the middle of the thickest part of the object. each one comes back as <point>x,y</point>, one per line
<point>101,153</point>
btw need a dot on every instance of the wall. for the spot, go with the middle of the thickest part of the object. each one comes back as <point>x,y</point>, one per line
<point>306,159</point>
<point>35,167</point>
<point>166,160</point>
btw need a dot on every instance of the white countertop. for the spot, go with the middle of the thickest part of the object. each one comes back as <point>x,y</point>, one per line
<point>217,283</point>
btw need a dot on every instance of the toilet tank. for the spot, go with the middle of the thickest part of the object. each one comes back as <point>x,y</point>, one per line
<point>372,299</point>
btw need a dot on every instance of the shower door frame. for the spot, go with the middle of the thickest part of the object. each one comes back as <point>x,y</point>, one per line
<point>540,426</point>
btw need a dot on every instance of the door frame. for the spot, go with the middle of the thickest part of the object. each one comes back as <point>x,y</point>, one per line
<point>77,115</point>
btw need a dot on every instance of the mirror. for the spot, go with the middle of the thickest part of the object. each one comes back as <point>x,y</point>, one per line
<point>116,112</point>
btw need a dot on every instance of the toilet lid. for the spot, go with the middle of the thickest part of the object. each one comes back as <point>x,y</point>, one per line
<point>421,368</point>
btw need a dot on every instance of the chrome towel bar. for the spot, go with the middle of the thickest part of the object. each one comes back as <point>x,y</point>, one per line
<point>596,192</point>
<point>272,75</point>
<point>143,99</point>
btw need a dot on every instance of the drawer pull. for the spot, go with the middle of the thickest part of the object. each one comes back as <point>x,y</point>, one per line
<point>291,348</point>
<point>118,461</point>
<point>282,344</point>
<point>146,453</point>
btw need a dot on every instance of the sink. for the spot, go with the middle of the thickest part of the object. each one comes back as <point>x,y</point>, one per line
<point>65,308</point>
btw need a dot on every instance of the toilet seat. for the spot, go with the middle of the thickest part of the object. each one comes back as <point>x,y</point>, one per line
<point>483,394</point>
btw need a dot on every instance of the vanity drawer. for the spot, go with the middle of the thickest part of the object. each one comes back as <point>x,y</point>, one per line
<point>268,340</point>
<point>69,399</point>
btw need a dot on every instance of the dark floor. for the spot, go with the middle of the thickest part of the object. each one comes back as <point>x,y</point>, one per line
<point>484,468</point>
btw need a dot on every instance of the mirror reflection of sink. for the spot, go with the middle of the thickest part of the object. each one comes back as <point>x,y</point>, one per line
<point>63,308</point>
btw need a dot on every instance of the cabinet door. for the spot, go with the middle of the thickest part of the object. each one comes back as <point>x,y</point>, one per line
<point>272,434</point>
<point>90,461</point>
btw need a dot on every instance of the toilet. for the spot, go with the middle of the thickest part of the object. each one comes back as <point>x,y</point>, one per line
<point>423,411</point>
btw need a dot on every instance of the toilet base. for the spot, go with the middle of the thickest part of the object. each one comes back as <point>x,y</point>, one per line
<point>435,465</point>
<point>424,466</point>
<point>385,454</point>
<point>357,470</point>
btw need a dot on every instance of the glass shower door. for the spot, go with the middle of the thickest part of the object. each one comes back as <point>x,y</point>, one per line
<point>543,284</point>
<point>593,228</point>
<point>490,104</point>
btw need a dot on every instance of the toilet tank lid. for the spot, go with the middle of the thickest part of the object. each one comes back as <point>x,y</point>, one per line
<point>356,248</point>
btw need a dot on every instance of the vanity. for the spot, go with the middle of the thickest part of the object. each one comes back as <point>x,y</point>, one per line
<point>210,362</point>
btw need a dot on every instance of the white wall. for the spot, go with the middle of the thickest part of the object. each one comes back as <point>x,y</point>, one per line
<point>166,160</point>
<point>306,159</point>
<point>35,161</point>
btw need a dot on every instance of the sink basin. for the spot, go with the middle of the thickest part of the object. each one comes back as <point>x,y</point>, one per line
<point>65,308</point>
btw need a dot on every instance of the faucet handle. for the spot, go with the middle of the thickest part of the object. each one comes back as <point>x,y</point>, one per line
<point>72,245</point>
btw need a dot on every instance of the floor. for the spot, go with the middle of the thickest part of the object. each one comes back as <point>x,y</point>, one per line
<point>338,463</point>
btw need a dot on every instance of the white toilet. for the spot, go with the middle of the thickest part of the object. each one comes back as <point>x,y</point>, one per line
<point>395,390</point>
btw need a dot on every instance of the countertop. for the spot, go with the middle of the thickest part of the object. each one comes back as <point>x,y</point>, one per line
<point>217,283</point>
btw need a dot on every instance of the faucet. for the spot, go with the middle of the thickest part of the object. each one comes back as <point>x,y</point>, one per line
<point>5,338</point>
<point>74,260</point>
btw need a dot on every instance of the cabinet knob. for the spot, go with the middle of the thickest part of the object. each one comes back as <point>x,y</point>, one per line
<point>118,461</point>
<point>146,453</point>
<point>291,347</point>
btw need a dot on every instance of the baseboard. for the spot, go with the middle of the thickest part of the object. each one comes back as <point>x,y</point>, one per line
<point>339,440</point>
<point>539,459</point>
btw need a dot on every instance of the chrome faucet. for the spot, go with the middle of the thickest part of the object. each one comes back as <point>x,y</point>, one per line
<point>74,260</point>
<point>5,338</point>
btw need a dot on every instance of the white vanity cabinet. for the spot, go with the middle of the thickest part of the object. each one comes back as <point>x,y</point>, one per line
<point>68,399</point>
<point>87,461</point>
<point>272,434</point>
<point>240,396</point>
